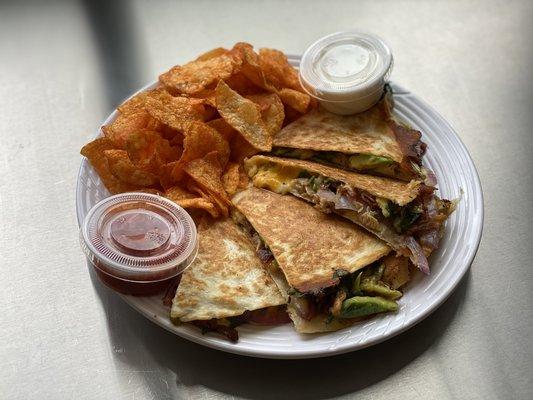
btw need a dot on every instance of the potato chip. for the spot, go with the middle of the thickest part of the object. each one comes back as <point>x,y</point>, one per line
<point>94,151</point>
<point>242,85</point>
<point>200,139</point>
<point>241,149</point>
<point>244,179</point>
<point>277,69</point>
<point>186,199</point>
<point>231,178</point>
<point>124,125</point>
<point>137,102</point>
<point>176,193</point>
<point>243,115</point>
<point>123,169</point>
<point>272,110</point>
<point>201,204</point>
<point>197,75</point>
<point>212,54</point>
<point>250,65</point>
<point>207,172</point>
<point>295,99</point>
<point>175,111</point>
<point>170,174</point>
<point>208,96</point>
<point>222,127</point>
<point>149,151</point>
<point>193,187</point>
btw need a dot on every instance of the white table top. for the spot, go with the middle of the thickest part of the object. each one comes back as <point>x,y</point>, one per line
<point>65,65</point>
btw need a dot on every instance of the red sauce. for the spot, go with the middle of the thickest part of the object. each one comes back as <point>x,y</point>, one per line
<point>132,288</point>
<point>138,243</point>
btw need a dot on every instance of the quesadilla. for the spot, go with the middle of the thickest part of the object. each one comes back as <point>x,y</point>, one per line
<point>372,142</point>
<point>226,285</point>
<point>319,261</point>
<point>406,215</point>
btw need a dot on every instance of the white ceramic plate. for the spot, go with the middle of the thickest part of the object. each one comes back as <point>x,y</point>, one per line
<point>457,177</point>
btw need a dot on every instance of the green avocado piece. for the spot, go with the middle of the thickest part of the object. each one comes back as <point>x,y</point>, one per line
<point>359,306</point>
<point>356,287</point>
<point>379,289</point>
<point>384,205</point>
<point>368,161</point>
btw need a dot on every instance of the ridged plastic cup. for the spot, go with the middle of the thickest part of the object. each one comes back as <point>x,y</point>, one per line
<point>346,71</point>
<point>138,242</point>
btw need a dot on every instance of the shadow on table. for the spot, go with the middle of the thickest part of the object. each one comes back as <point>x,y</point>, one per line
<point>119,48</point>
<point>138,343</point>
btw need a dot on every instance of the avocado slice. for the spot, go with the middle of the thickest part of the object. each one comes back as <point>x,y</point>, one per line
<point>368,161</point>
<point>379,289</point>
<point>359,306</point>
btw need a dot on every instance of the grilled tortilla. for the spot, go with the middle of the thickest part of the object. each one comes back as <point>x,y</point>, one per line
<point>309,246</point>
<point>329,269</point>
<point>406,215</point>
<point>371,142</point>
<point>225,280</point>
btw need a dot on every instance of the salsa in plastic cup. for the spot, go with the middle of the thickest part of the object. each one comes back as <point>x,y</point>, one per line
<point>138,242</point>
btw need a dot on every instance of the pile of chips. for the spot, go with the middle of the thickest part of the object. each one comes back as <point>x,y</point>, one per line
<point>186,139</point>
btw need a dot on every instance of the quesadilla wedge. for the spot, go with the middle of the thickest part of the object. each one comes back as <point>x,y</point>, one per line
<point>372,142</point>
<point>319,261</point>
<point>406,215</point>
<point>226,285</point>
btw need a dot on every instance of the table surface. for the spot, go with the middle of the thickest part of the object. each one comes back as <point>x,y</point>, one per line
<point>65,65</point>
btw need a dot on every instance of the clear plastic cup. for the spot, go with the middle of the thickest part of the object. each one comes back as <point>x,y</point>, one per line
<point>346,71</point>
<point>138,242</point>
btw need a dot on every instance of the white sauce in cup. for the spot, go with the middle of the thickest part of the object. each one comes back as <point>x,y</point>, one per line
<point>346,71</point>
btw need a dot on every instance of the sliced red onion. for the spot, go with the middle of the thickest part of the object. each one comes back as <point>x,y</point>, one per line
<point>431,179</point>
<point>304,308</point>
<point>431,207</point>
<point>417,255</point>
<point>326,195</point>
<point>430,239</point>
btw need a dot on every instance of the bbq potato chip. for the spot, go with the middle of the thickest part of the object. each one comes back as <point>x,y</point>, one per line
<point>207,172</point>
<point>94,151</point>
<point>222,127</point>
<point>231,178</point>
<point>124,125</point>
<point>241,84</point>
<point>149,151</point>
<point>272,110</point>
<point>137,102</point>
<point>212,54</point>
<point>250,65</point>
<point>170,174</point>
<point>195,76</point>
<point>295,99</point>
<point>241,149</point>
<point>186,199</point>
<point>122,167</point>
<point>175,111</point>
<point>200,139</point>
<point>243,115</point>
<point>277,69</point>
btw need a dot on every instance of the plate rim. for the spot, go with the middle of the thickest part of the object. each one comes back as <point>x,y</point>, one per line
<point>345,347</point>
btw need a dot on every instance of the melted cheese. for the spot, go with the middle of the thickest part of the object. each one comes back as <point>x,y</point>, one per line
<point>277,178</point>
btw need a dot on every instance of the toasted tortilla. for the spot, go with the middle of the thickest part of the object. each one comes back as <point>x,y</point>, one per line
<point>308,245</point>
<point>226,279</point>
<point>370,132</point>
<point>399,192</point>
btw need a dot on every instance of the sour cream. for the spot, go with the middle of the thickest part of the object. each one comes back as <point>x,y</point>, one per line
<point>346,71</point>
